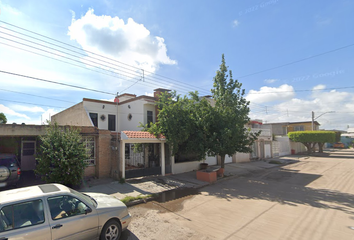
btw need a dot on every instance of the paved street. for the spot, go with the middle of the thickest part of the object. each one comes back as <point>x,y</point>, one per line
<point>311,199</point>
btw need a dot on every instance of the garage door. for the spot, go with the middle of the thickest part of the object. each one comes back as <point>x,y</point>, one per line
<point>211,160</point>
<point>228,159</point>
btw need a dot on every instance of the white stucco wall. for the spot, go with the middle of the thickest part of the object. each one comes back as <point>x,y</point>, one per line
<point>211,160</point>
<point>242,157</point>
<point>185,167</point>
<point>101,109</point>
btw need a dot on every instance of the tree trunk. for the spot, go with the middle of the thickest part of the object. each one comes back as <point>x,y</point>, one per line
<point>308,147</point>
<point>320,147</point>
<point>222,163</point>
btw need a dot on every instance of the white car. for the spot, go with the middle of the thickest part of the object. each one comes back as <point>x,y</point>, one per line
<point>54,211</point>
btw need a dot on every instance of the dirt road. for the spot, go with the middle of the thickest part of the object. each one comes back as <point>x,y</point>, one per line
<point>311,199</point>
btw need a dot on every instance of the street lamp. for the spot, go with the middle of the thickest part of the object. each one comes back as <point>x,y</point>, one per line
<point>313,118</point>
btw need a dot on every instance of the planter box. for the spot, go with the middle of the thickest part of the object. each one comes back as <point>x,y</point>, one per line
<point>205,176</point>
<point>220,172</point>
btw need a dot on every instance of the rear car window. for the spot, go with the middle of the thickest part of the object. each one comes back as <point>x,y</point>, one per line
<point>7,161</point>
<point>21,215</point>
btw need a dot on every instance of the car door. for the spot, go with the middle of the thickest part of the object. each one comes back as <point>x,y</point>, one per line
<point>71,218</point>
<point>24,220</point>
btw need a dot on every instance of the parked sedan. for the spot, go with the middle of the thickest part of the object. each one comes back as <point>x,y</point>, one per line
<point>9,170</point>
<point>54,211</point>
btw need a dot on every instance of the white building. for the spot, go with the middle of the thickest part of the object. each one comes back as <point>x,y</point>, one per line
<point>123,118</point>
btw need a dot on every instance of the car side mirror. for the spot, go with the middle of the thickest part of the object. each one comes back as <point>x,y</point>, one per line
<point>88,210</point>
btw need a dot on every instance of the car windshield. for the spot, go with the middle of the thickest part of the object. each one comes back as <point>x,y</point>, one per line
<point>87,198</point>
<point>7,161</point>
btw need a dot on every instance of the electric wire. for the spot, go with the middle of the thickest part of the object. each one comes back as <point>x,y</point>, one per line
<point>114,60</point>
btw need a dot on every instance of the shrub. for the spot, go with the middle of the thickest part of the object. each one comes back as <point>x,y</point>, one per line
<point>311,138</point>
<point>61,156</point>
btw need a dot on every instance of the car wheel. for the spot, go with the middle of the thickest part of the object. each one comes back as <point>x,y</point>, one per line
<point>111,230</point>
<point>4,173</point>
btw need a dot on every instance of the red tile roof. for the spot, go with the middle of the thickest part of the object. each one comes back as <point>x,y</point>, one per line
<point>141,134</point>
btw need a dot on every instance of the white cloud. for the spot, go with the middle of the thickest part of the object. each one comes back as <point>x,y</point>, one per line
<point>319,87</point>
<point>269,81</point>
<point>8,9</point>
<point>22,108</point>
<point>128,42</point>
<point>8,111</point>
<point>235,23</point>
<point>270,94</point>
<point>320,102</point>
<point>47,115</point>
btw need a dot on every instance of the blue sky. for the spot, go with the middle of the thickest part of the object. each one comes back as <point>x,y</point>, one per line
<point>184,40</point>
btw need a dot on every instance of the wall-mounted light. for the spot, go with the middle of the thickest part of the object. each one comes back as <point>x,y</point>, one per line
<point>103,107</point>
<point>129,106</point>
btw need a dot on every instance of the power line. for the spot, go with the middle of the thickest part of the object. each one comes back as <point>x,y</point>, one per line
<point>1,89</point>
<point>96,54</point>
<point>303,90</point>
<point>297,61</point>
<point>64,61</point>
<point>54,82</point>
<point>131,86</point>
<point>30,103</point>
<point>74,61</point>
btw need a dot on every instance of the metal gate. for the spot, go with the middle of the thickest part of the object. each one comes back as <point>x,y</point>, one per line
<point>28,151</point>
<point>142,162</point>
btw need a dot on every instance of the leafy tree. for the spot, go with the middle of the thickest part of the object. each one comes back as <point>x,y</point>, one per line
<point>184,123</point>
<point>3,118</point>
<point>61,156</point>
<point>311,138</point>
<point>227,130</point>
<point>195,125</point>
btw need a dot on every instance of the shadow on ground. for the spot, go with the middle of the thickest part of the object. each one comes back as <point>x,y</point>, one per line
<point>128,235</point>
<point>285,187</point>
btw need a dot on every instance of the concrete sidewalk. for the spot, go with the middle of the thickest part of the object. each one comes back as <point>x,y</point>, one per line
<point>157,184</point>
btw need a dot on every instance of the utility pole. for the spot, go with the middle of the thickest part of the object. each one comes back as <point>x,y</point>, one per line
<point>117,142</point>
<point>313,118</point>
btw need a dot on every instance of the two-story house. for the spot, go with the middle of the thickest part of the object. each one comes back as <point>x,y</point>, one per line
<point>120,148</point>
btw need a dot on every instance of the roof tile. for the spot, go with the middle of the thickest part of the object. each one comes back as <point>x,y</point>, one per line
<point>141,134</point>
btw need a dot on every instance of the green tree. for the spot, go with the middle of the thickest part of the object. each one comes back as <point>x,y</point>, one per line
<point>195,125</point>
<point>61,156</point>
<point>227,131</point>
<point>184,122</point>
<point>311,138</point>
<point>3,118</point>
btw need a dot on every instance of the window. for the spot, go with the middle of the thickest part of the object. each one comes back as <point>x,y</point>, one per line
<point>66,206</point>
<point>90,150</point>
<point>94,119</point>
<point>21,215</point>
<point>28,148</point>
<point>8,161</point>
<point>299,128</point>
<point>150,117</point>
<point>111,122</point>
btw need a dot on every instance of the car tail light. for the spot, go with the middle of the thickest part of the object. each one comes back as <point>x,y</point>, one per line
<point>18,171</point>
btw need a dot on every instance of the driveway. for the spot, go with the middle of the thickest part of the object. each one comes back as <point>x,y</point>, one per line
<point>311,199</point>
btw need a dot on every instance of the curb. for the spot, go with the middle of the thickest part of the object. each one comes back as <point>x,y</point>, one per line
<point>145,200</point>
<point>139,201</point>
